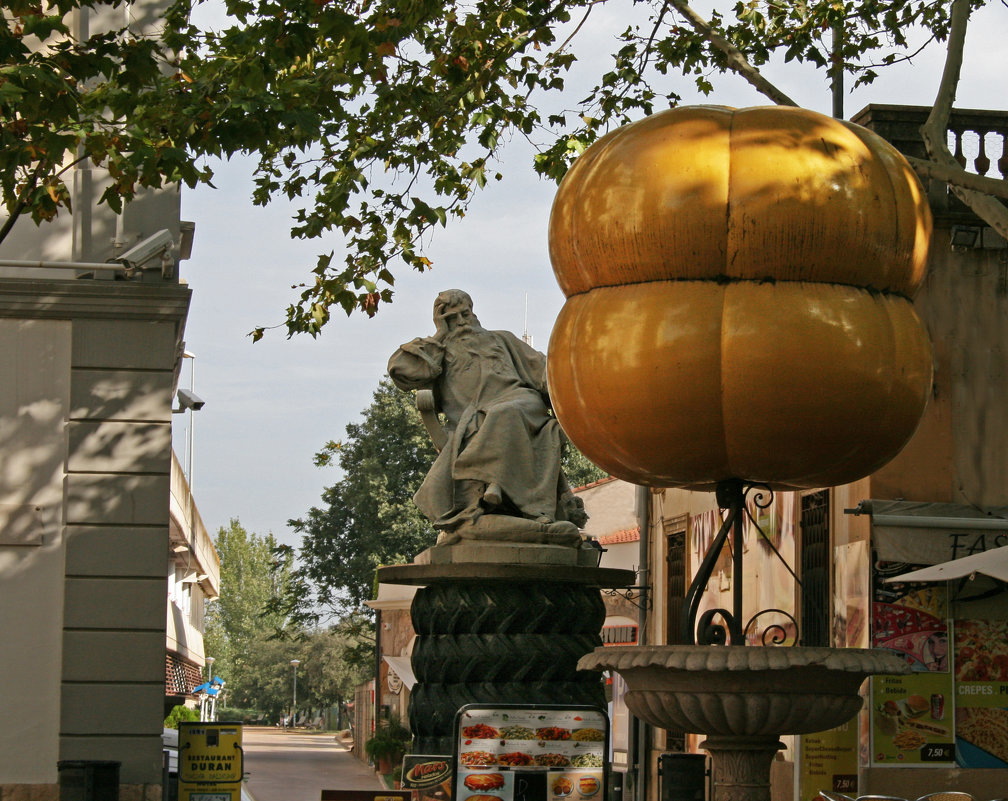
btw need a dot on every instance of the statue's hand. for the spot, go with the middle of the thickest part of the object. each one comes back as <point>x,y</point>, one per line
<point>441,316</point>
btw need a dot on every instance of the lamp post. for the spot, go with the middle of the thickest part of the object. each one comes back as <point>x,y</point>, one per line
<point>208,714</point>
<point>294,664</point>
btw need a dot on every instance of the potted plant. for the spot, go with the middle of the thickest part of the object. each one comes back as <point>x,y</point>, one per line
<point>388,744</point>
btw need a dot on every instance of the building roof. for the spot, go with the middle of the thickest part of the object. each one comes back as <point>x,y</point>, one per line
<point>617,537</point>
<point>605,480</point>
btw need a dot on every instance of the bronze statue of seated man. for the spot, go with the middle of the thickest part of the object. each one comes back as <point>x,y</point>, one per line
<point>498,474</point>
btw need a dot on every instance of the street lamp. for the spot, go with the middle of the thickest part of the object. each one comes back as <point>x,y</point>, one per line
<point>294,664</point>
<point>208,714</point>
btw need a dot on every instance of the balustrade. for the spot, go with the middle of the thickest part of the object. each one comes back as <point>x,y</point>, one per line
<point>978,140</point>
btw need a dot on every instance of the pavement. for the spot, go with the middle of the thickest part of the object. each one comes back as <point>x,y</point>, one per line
<point>298,765</point>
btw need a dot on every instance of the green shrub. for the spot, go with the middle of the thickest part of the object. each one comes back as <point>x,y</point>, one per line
<point>391,739</point>
<point>180,713</point>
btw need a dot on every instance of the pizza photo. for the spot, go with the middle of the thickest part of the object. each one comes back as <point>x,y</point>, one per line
<point>981,650</point>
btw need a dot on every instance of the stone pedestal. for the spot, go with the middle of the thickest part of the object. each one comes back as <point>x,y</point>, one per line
<point>501,632</point>
<point>741,766</point>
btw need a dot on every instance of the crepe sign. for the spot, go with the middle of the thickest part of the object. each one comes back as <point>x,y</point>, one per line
<point>531,753</point>
<point>981,708</point>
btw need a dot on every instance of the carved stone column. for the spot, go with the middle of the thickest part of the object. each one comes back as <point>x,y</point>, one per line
<point>741,766</point>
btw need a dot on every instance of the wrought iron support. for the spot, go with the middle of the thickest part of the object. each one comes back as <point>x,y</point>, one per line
<point>709,630</point>
<point>639,595</point>
<point>731,497</point>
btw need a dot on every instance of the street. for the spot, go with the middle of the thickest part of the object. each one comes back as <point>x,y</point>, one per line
<point>297,766</point>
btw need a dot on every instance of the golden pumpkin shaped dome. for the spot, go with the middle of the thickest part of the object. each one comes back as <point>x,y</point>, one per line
<point>737,287</point>
<point>766,193</point>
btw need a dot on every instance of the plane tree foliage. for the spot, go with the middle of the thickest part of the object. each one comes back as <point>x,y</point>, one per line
<point>367,518</point>
<point>383,119</point>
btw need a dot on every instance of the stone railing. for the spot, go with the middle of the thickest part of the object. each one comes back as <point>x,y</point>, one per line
<point>977,138</point>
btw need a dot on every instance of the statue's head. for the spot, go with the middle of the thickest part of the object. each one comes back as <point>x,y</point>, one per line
<point>455,307</point>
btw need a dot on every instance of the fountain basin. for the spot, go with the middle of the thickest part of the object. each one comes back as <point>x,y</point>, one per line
<point>743,691</point>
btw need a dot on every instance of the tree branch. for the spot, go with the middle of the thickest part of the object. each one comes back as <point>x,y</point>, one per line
<point>934,131</point>
<point>22,201</point>
<point>734,59</point>
<point>955,175</point>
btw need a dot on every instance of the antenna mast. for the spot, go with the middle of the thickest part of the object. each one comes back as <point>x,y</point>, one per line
<point>526,337</point>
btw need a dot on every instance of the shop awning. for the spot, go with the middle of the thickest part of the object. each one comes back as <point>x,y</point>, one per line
<point>919,533</point>
<point>991,563</point>
<point>403,669</point>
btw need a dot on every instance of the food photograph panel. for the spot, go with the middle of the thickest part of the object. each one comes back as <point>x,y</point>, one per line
<point>531,753</point>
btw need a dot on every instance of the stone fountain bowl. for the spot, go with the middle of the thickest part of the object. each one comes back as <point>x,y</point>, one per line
<point>743,691</point>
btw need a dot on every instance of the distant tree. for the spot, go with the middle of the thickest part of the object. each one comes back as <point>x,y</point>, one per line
<point>332,662</point>
<point>267,678</point>
<point>578,468</point>
<point>368,518</point>
<point>239,623</point>
<point>335,661</point>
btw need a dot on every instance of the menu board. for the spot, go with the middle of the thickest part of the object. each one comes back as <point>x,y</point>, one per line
<point>530,753</point>
<point>912,719</point>
<point>981,714</point>
<point>829,761</point>
<point>911,715</point>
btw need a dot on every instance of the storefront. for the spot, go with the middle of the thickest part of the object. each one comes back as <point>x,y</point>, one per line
<point>945,725</point>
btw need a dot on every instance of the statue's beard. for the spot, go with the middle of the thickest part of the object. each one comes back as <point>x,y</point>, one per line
<point>464,330</point>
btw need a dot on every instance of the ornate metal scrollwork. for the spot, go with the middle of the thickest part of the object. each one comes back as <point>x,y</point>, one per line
<point>776,633</point>
<point>639,596</point>
<point>732,496</point>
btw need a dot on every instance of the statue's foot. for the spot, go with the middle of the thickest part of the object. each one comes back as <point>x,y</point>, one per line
<point>564,528</point>
<point>494,495</point>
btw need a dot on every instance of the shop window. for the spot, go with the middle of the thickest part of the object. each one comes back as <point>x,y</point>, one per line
<point>675,572</point>
<point>814,572</point>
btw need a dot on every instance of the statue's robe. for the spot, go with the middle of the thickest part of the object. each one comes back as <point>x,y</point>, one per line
<point>492,388</point>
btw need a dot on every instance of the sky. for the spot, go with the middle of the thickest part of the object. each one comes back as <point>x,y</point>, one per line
<point>271,405</point>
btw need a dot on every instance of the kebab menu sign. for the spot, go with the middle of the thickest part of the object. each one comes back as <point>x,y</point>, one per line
<point>530,753</point>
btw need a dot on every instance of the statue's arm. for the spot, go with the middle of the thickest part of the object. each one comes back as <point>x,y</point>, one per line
<point>530,364</point>
<point>417,363</point>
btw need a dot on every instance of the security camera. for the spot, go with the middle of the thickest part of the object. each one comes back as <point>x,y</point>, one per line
<point>142,252</point>
<point>189,400</point>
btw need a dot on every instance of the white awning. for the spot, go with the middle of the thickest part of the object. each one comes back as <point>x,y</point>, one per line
<point>403,669</point>
<point>918,533</point>
<point>991,563</point>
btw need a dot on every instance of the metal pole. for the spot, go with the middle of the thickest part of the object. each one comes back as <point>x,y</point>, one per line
<point>737,577</point>
<point>644,581</point>
<point>295,663</point>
